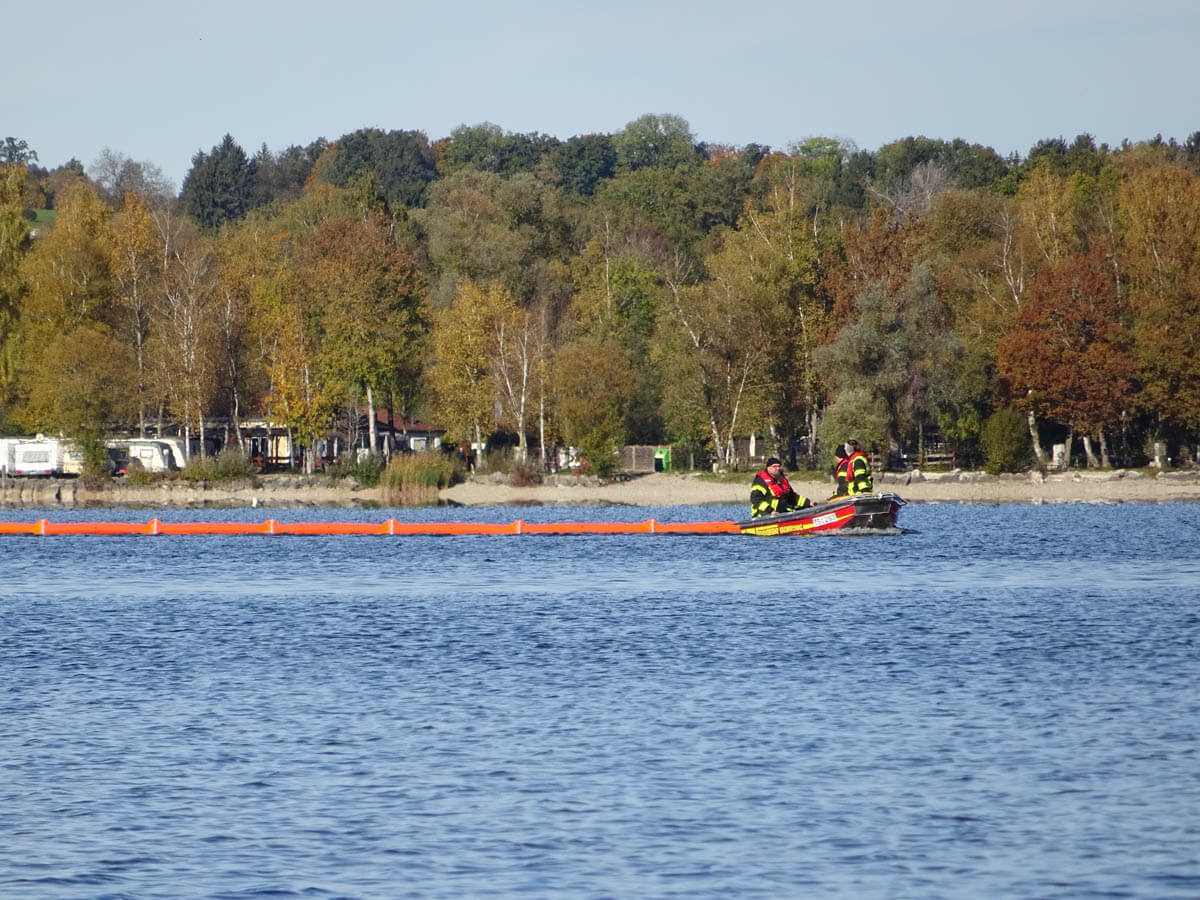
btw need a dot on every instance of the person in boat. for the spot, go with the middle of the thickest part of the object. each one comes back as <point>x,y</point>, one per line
<point>839,470</point>
<point>858,469</point>
<point>770,492</point>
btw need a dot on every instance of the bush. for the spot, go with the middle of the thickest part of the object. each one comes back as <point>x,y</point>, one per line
<point>1005,442</point>
<point>231,464</point>
<point>366,471</point>
<point>521,473</point>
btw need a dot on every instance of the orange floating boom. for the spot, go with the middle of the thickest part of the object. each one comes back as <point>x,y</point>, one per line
<point>391,527</point>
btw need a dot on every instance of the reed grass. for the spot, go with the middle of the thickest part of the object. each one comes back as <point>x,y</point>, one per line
<point>414,479</point>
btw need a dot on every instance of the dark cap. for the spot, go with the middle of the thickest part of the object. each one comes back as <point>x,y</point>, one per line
<point>774,461</point>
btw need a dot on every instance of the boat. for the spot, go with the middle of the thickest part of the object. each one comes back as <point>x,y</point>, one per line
<point>857,513</point>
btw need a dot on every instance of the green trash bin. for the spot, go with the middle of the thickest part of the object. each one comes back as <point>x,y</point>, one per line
<point>662,459</point>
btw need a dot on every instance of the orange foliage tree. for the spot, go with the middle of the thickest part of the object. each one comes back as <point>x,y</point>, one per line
<point>1070,352</point>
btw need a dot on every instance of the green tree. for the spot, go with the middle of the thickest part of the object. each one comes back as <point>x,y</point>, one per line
<point>282,176</point>
<point>583,162</point>
<point>219,186</point>
<point>402,161</point>
<point>617,297</point>
<point>655,140</point>
<point>715,342</point>
<point>488,148</point>
<point>882,365</point>
<point>1005,441</point>
<point>593,386</point>
<point>14,152</point>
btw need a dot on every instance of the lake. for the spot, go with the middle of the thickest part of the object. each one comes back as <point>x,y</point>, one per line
<point>1004,701</point>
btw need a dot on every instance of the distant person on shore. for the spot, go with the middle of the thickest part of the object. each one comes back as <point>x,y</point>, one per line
<point>771,493</point>
<point>858,469</point>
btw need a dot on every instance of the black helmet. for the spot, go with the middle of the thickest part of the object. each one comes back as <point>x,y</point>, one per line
<point>773,461</point>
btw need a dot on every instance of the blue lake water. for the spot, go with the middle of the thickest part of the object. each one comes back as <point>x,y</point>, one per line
<point>1002,702</point>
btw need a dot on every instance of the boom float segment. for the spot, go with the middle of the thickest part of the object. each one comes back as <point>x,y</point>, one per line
<point>390,527</point>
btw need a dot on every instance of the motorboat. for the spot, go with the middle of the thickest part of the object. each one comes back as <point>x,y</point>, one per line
<point>857,512</point>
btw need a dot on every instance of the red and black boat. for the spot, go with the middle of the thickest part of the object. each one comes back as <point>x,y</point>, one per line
<point>861,512</point>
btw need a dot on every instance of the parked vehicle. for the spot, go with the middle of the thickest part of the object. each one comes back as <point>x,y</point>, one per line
<point>177,450</point>
<point>145,454</point>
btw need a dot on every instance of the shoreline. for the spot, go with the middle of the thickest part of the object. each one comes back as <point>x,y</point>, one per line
<point>663,489</point>
<point>636,489</point>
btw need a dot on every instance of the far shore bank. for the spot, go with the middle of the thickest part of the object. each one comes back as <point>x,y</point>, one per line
<point>637,489</point>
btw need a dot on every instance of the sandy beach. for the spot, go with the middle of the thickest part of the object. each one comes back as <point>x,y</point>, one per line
<point>639,489</point>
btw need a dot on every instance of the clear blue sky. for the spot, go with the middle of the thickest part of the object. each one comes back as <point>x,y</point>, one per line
<point>158,81</point>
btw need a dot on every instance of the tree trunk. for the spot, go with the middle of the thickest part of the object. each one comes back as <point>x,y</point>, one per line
<point>1092,461</point>
<point>812,437</point>
<point>371,430</point>
<point>1038,454</point>
<point>1105,461</point>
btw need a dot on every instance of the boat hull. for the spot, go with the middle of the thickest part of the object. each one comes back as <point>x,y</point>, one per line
<point>863,512</point>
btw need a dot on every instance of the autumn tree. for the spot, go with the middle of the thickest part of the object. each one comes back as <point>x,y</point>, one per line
<point>461,374</point>
<point>288,336</point>
<point>1160,213</point>
<point>715,342</point>
<point>74,370</point>
<point>1071,352</point>
<point>517,350</point>
<point>186,325</point>
<point>245,256</point>
<point>135,263</point>
<point>372,317</point>
<point>14,244</point>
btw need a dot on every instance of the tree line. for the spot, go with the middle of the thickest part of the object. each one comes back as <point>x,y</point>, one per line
<point>635,287</point>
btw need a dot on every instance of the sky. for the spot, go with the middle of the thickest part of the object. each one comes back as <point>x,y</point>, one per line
<point>158,81</point>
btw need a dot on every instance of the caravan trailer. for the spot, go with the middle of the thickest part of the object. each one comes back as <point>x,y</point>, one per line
<point>7,445</point>
<point>39,456</point>
<point>148,455</point>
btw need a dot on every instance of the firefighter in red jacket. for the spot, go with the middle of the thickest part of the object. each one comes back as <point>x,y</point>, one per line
<point>771,493</point>
<point>839,470</point>
<point>857,469</point>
